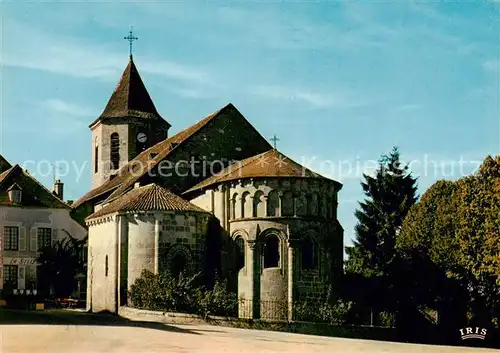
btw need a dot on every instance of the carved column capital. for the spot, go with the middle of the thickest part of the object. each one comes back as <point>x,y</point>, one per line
<point>252,244</point>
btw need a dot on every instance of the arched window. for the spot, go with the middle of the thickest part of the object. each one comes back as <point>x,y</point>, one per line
<point>115,151</point>
<point>272,251</point>
<point>273,204</point>
<point>106,268</point>
<point>233,214</point>
<point>309,254</point>
<point>301,205</point>
<point>96,155</point>
<point>240,253</point>
<point>313,205</point>
<point>178,264</point>
<point>287,207</point>
<point>323,207</point>
<point>246,205</point>
<point>258,204</point>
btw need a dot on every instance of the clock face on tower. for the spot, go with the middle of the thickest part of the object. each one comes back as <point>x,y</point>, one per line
<point>141,137</point>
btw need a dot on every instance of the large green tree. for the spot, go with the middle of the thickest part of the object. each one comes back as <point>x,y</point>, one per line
<point>455,229</point>
<point>389,196</point>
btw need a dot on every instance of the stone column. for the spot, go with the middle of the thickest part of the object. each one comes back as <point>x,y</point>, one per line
<point>280,202</point>
<point>157,217</point>
<point>253,276</point>
<point>116,266</point>
<point>123,260</point>
<point>291,270</point>
<point>222,192</point>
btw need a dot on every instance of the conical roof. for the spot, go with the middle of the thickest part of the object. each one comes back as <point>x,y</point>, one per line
<point>270,164</point>
<point>130,98</point>
<point>148,198</point>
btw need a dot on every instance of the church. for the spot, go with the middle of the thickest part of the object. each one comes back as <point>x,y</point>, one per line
<point>155,198</point>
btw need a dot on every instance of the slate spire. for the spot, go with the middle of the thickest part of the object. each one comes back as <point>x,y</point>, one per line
<point>130,98</point>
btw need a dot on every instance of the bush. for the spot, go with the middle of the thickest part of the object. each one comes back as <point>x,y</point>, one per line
<point>164,292</point>
<point>218,302</point>
<point>182,294</point>
<point>332,310</point>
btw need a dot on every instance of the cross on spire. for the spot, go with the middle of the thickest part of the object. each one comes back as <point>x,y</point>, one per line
<point>274,139</point>
<point>130,39</point>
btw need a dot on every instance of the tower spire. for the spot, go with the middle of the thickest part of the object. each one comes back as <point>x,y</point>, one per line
<point>130,39</point>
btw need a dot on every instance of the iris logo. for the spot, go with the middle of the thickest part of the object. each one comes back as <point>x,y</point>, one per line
<point>473,332</point>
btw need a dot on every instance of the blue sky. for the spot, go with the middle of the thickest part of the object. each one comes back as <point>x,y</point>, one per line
<point>340,83</point>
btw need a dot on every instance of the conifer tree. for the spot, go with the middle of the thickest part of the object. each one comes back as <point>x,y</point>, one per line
<point>389,196</point>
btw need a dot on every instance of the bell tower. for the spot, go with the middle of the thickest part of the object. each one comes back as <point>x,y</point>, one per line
<point>128,125</point>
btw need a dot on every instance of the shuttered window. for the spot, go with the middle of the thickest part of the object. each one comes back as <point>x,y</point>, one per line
<point>11,238</point>
<point>44,236</point>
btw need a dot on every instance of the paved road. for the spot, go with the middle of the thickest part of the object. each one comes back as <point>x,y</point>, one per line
<point>55,338</point>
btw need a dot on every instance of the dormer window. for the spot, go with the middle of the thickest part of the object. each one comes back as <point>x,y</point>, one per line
<point>15,194</point>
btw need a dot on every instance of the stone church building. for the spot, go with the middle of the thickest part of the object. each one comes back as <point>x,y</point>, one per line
<point>155,198</point>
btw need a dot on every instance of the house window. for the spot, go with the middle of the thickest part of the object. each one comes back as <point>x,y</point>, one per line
<point>106,267</point>
<point>11,238</point>
<point>10,277</point>
<point>272,252</point>
<point>115,151</point>
<point>308,254</point>
<point>44,236</point>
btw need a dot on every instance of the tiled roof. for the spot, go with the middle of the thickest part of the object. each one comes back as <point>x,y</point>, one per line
<point>151,198</point>
<point>126,176</point>
<point>34,194</point>
<point>130,98</point>
<point>4,164</point>
<point>270,164</point>
<point>4,174</point>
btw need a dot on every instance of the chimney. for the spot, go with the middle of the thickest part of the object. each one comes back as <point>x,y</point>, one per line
<point>59,189</point>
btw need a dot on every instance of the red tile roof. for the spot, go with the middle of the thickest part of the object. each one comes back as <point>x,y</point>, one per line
<point>147,198</point>
<point>130,98</point>
<point>270,164</point>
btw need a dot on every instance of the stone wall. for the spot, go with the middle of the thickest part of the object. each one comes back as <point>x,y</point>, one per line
<point>184,233</point>
<point>293,209</point>
<point>147,242</point>
<point>101,136</point>
<point>103,265</point>
<point>127,129</point>
<point>141,246</point>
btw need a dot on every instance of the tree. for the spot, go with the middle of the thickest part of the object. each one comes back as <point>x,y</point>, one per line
<point>429,249</point>
<point>372,266</point>
<point>390,194</point>
<point>478,235</point>
<point>60,263</point>
<point>456,227</point>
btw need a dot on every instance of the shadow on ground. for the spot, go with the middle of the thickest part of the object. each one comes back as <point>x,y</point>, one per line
<point>69,317</point>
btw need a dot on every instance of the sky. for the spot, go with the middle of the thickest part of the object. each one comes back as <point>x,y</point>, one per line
<point>340,83</point>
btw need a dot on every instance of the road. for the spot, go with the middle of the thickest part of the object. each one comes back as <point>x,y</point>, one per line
<point>188,338</point>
